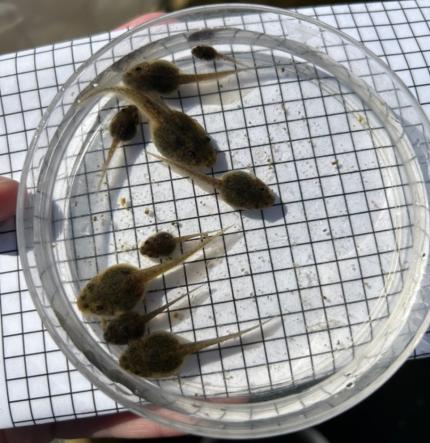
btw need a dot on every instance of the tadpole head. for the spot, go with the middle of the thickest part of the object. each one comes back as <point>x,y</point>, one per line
<point>204,52</point>
<point>115,290</point>
<point>159,245</point>
<point>160,76</point>
<point>245,191</point>
<point>88,301</point>
<point>158,355</point>
<point>124,123</point>
<point>126,327</point>
<point>183,139</point>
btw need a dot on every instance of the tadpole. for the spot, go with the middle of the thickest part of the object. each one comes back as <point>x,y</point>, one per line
<point>165,77</point>
<point>239,189</point>
<point>163,243</point>
<point>209,53</point>
<point>131,325</point>
<point>122,128</point>
<point>162,354</point>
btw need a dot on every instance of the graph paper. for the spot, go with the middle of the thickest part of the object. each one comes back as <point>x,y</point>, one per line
<point>39,384</point>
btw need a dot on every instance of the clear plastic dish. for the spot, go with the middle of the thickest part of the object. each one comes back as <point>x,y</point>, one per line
<point>340,261</point>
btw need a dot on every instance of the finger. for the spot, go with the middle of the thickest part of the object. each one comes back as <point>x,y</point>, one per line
<point>128,425</point>
<point>122,425</point>
<point>8,195</point>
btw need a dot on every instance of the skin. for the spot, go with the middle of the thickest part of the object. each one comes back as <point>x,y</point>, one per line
<point>164,77</point>
<point>162,354</point>
<point>8,196</point>
<point>122,128</point>
<point>120,287</point>
<point>237,188</point>
<point>163,244</point>
<point>209,53</point>
<point>176,135</point>
<point>132,325</point>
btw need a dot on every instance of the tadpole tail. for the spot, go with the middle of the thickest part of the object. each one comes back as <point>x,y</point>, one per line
<point>212,181</point>
<point>148,103</point>
<point>190,78</point>
<point>204,234</point>
<point>112,149</point>
<point>154,271</point>
<point>150,315</point>
<point>230,59</point>
<point>190,348</point>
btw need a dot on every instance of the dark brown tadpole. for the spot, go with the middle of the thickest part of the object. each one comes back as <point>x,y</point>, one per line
<point>122,128</point>
<point>162,354</point>
<point>118,288</point>
<point>237,188</point>
<point>131,325</point>
<point>164,77</point>
<point>163,244</point>
<point>175,134</point>
<point>209,53</point>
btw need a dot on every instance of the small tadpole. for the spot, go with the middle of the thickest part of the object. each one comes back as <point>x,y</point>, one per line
<point>165,77</point>
<point>132,325</point>
<point>122,128</point>
<point>209,53</point>
<point>239,189</point>
<point>175,134</point>
<point>118,288</point>
<point>163,244</point>
<point>162,354</point>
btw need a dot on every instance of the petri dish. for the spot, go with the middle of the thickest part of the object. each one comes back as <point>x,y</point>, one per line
<point>340,262</point>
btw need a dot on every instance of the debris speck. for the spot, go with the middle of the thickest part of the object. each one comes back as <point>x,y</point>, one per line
<point>361,119</point>
<point>149,211</point>
<point>95,218</point>
<point>177,315</point>
<point>336,164</point>
<point>123,202</point>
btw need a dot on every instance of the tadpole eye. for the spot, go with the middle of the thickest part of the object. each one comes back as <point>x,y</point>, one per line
<point>137,68</point>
